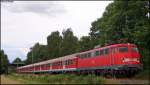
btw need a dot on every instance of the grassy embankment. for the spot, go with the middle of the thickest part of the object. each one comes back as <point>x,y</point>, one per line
<point>143,75</point>
<point>58,79</point>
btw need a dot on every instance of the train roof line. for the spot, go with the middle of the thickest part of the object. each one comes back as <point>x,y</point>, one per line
<point>52,60</point>
<point>72,55</point>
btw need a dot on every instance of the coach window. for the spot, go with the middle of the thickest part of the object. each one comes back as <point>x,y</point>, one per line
<point>123,49</point>
<point>67,62</point>
<point>81,56</point>
<point>46,65</point>
<point>60,63</point>
<point>70,61</point>
<point>89,54</point>
<point>57,64</point>
<point>49,64</point>
<point>85,55</point>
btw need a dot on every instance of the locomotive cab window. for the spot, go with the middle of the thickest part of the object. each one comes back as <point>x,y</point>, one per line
<point>134,49</point>
<point>123,49</point>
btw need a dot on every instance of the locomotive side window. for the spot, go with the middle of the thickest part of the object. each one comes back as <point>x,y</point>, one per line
<point>101,52</point>
<point>86,55</point>
<point>97,53</point>
<point>106,51</point>
<point>123,49</point>
<point>114,50</point>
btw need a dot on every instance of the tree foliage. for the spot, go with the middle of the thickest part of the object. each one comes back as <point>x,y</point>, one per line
<point>17,60</point>
<point>38,53</point>
<point>54,41</point>
<point>69,43</point>
<point>85,43</point>
<point>4,62</point>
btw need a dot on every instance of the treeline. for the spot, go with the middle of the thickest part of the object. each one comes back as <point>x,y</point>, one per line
<point>3,63</point>
<point>122,22</point>
<point>57,46</point>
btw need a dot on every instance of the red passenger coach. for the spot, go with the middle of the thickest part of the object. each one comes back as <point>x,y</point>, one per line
<point>103,60</point>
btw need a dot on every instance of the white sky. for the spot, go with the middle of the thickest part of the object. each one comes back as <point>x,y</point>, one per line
<point>23,23</point>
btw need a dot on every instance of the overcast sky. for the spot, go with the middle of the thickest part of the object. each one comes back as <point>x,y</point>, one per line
<point>23,23</point>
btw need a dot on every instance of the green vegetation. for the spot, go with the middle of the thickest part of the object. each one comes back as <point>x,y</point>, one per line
<point>17,60</point>
<point>3,63</point>
<point>143,75</point>
<point>58,79</point>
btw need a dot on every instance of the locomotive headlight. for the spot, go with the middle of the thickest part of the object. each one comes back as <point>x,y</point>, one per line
<point>136,59</point>
<point>126,60</point>
<point>130,59</point>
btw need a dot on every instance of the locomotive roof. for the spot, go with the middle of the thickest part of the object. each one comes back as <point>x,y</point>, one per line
<point>108,46</point>
<point>72,56</point>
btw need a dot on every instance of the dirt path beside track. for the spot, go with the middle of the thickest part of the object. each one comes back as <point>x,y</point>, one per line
<point>6,80</point>
<point>126,81</point>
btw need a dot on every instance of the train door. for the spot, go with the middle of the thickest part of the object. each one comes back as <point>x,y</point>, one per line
<point>64,64</point>
<point>50,65</point>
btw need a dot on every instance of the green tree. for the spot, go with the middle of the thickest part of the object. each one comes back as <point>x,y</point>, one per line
<point>70,42</point>
<point>54,41</point>
<point>85,43</point>
<point>4,62</point>
<point>38,53</point>
<point>17,60</point>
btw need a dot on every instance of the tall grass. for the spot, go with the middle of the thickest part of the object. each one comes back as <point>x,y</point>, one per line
<point>61,78</point>
<point>143,75</point>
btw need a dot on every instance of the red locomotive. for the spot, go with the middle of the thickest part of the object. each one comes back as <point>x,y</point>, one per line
<point>122,58</point>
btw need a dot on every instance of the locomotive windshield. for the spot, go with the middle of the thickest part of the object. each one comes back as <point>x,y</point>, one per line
<point>123,49</point>
<point>135,49</point>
